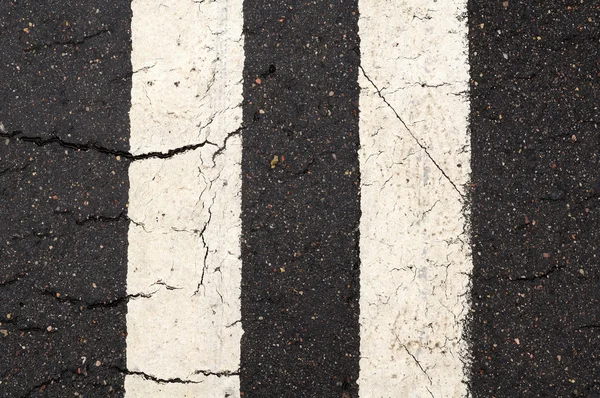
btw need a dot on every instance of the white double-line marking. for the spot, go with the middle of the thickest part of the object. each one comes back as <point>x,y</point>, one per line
<point>184,239</point>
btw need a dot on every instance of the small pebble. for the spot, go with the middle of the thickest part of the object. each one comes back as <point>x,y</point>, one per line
<point>274,161</point>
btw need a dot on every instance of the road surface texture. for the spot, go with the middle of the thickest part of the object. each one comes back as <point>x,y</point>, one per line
<point>342,198</point>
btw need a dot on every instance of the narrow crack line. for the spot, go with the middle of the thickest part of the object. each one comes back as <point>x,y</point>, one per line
<point>590,326</point>
<point>429,391</point>
<point>423,147</point>
<point>223,373</point>
<point>15,169</point>
<point>144,68</point>
<point>95,304</point>
<point>14,278</point>
<point>233,324</point>
<point>39,141</point>
<point>155,379</point>
<point>168,287</point>
<point>201,234</point>
<point>71,42</point>
<point>415,359</point>
<point>220,150</point>
<point>431,208</point>
<point>537,275</point>
<point>100,218</point>
<point>32,329</point>
<point>129,74</point>
<point>47,382</point>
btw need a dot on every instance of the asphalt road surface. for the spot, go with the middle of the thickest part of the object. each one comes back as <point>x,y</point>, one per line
<point>349,198</point>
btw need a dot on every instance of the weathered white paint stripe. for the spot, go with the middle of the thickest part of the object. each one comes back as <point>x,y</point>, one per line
<point>414,156</point>
<point>184,339</point>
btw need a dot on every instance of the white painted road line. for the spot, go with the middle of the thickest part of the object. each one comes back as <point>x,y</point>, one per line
<point>184,253</point>
<point>415,155</point>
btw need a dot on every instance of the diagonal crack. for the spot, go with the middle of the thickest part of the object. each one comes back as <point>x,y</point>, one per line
<point>14,278</point>
<point>219,151</point>
<point>414,137</point>
<point>415,359</point>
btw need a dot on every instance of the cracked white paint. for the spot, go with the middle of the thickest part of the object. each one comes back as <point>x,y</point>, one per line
<point>185,210</point>
<point>415,256</point>
<point>149,389</point>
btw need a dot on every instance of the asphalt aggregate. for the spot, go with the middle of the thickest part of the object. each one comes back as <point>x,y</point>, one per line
<point>64,90</point>
<point>300,200</point>
<point>535,326</point>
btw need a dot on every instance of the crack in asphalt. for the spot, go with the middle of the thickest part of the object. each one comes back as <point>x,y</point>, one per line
<point>93,218</point>
<point>71,42</point>
<point>414,137</point>
<point>14,279</point>
<point>46,382</point>
<point>94,304</point>
<point>537,275</point>
<point>39,141</point>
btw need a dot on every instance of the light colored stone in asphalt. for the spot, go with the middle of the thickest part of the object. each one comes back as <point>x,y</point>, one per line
<point>415,154</point>
<point>184,267</point>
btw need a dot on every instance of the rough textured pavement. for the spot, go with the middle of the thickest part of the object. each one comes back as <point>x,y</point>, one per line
<point>64,89</point>
<point>300,202</point>
<point>534,125</point>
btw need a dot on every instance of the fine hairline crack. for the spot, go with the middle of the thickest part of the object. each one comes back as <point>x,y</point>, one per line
<point>39,141</point>
<point>414,137</point>
<point>416,360</point>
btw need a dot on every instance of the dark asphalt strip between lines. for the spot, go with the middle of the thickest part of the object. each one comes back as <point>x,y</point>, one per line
<point>300,200</point>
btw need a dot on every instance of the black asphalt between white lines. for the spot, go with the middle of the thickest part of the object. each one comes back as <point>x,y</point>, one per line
<point>300,200</point>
